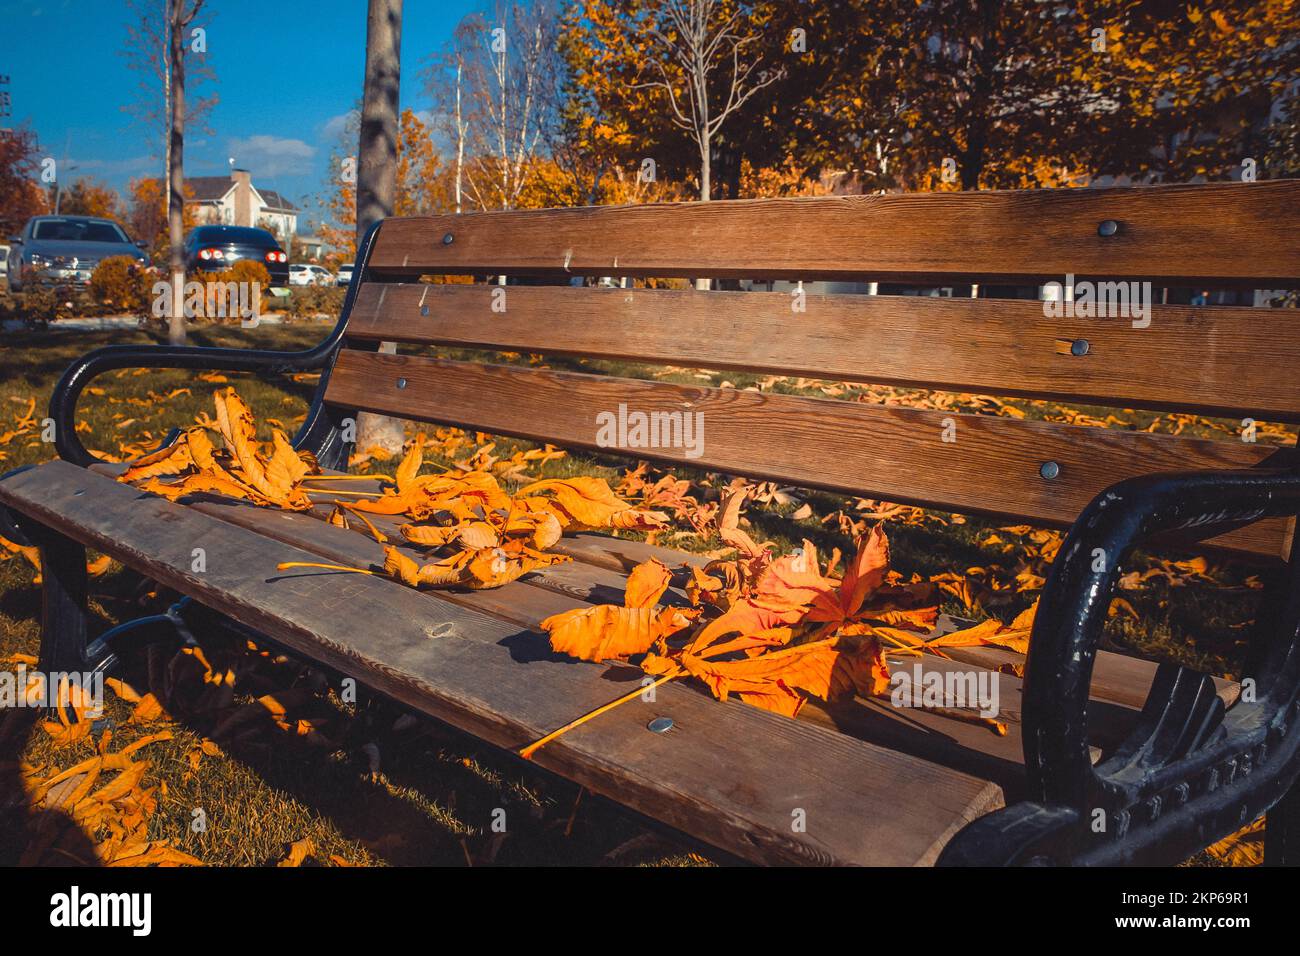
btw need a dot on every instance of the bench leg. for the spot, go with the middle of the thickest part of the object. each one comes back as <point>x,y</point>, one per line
<point>63,603</point>
<point>1282,830</point>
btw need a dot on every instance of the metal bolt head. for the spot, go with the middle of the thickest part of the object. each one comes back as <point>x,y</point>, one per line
<point>424,310</point>
<point>1049,470</point>
<point>1079,347</point>
<point>448,239</point>
<point>660,725</point>
<point>401,383</point>
<point>1107,227</point>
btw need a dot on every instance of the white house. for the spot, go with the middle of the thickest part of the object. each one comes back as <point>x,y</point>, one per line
<point>237,202</point>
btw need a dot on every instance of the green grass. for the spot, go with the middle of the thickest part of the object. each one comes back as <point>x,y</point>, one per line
<point>434,794</point>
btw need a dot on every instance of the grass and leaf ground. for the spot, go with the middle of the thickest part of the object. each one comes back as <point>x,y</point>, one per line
<point>245,756</point>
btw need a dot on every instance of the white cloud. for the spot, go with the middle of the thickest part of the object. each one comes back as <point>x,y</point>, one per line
<point>132,166</point>
<point>265,155</point>
<point>336,126</point>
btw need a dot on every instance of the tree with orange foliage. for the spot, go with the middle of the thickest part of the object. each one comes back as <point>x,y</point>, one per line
<point>146,217</point>
<point>86,197</point>
<point>20,196</point>
<point>1200,89</point>
<point>423,181</point>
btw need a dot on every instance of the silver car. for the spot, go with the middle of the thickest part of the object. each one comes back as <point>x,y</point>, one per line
<point>64,250</point>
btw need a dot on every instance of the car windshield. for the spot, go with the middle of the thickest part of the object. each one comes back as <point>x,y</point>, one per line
<point>243,235</point>
<point>79,230</point>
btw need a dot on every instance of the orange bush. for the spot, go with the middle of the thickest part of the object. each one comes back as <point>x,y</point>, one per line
<point>122,282</point>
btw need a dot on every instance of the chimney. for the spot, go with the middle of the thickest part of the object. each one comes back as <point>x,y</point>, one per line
<point>243,197</point>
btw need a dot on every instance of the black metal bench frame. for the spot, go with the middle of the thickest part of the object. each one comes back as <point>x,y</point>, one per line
<point>1191,772</point>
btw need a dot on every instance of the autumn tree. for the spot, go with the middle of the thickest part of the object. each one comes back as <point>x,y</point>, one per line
<point>446,84</point>
<point>20,195</point>
<point>423,180</point>
<point>493,89</point>
<point>1198,90</point>
<point>146,215</point>
<point>87,197</point>
<point>706,67</point>
<point>146,52</point>
<point>618,114</point>
<point>600,139</point>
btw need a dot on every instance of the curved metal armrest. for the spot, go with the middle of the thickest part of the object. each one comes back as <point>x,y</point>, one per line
<point>63,401</point>
<point>1075,601</point>
<point>1191,771</point>
<point>318,433</point>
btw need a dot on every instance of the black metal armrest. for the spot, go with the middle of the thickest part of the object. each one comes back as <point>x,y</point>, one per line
<point>63,401</point>
<point>1192,771</point>
<point>319,433</point>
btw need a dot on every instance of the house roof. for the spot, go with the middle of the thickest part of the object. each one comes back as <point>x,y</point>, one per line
<point>214,188</point>
<point>208,188</point>
<point>275,201</point>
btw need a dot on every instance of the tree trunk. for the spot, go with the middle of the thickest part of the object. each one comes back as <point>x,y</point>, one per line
<point>706,182</point>
<point>377,171</point>
<point>176,173</point>
<point>706,171</point>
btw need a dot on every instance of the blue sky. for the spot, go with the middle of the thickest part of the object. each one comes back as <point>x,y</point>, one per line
<point>287,73</point>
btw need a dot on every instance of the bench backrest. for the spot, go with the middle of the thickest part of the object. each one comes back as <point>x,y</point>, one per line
<point>1226,361</point>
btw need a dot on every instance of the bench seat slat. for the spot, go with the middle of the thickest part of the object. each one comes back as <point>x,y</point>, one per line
<point>987,346</point>
<point>1116,677</point>
<point>888,452</point>
<point>1224,232</point>
<point>528,601</point>
<point>961,746</point>
<point>1119,687</point>
<point>864,804</point>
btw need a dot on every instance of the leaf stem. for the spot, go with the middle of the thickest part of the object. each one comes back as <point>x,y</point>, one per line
<point>286,565</point>
<point>527,752</point>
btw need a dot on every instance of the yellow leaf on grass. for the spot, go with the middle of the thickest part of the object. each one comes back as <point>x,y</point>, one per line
<point>122,689</point>
<point>146,710</point>
<point>299,851</point>
<point>729,525</point>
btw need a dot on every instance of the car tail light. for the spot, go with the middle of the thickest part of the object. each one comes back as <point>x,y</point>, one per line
<point>206,254</point>
<point>274,256</point>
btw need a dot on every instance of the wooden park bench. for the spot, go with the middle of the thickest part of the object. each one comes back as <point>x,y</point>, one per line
<point>1169,759</point>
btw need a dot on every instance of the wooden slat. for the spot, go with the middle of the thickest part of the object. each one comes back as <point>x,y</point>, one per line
<point>1219,231</point>
<point>966,747</point>
<point>1208,360</point>
<point>1116,678</point>
<point>887,452</point>
<point>864,804</point>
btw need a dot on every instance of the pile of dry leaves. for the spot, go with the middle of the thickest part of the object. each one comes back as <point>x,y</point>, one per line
<point>476,534</point>
<point>774,631</point>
